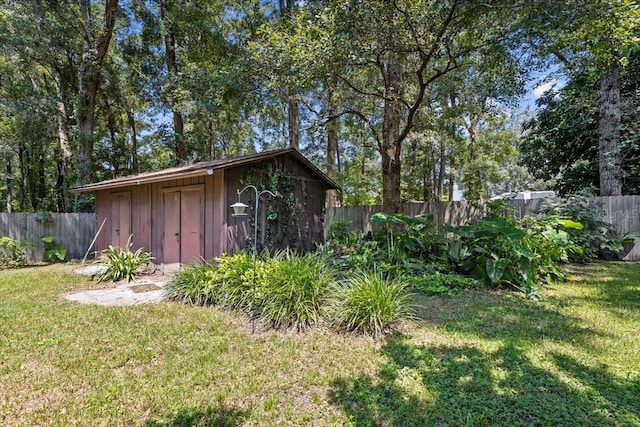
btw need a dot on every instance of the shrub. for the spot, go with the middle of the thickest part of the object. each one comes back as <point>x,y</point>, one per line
<point>549,239</point>
<point>191,285</point>
<point>234,279</point>
<point>405,246</point>
<point>369,303</point>
<point>497,250</point>
<point>13,253</point>
<point>53,252</point>
<point>596,238</point>
<point>122,263</point>
<point>493,251</point>
<point>294,291</point>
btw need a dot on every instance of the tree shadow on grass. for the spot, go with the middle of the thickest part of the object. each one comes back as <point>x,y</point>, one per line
<point>505,316</point>
<point>617,283</point>
<point>209,417</point>
<point>453,385</point>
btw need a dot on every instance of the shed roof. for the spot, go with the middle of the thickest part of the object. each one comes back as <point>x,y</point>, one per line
<point>204,168</point>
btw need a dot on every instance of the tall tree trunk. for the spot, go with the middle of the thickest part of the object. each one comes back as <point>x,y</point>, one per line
<point>172,69</point>
<point>391,143</point>
<point>9,182</point>
<point>116,152</point>
<point>133,139</point>
<point>60,184</point>
<point>211,138</point>
<point>42,184</point>
<point>609,132</point>
<point>332,146</point>
<point>452,185</point>
<point>93,53</point>
<point>64,141</point>
<point>23,177</point>
<point>294,122</point>
<point>293,114</point>
<point>472,180</point>
<point>441,170</point>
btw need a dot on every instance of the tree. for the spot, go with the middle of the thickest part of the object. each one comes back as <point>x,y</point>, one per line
<point>561,141</point>
<point>96,39</point>
<point>593,35</point>
<point>385,56</point>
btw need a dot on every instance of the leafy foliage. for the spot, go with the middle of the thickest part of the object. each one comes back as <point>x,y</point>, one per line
<point>493,251</point>
<point>408,246</point>
<point>561,141</point>
<point>498,250</point>
<point>596,238</point>
<point>13,252</point>
<point>369,303</point>
<point>53,252</point>
<point>234,280</point>
<point>123,263</point>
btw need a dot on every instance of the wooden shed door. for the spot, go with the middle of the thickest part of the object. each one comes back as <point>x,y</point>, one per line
<point>183,227</point>
<point>120,216</point>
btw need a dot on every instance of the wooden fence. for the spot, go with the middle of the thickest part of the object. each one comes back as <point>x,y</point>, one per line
<point>621,211</point>
<point>74,231</point>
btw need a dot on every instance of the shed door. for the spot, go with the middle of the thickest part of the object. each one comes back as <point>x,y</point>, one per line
<point>191,225</point>
<point>120,216</point>
<point>183,227</point>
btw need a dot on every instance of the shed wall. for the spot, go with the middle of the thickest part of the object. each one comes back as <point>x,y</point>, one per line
<point>302,199</point>
<point>148,216</point>
<point>301,195</point>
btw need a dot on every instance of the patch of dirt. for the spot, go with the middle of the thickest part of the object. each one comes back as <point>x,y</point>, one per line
<point>147,287</point>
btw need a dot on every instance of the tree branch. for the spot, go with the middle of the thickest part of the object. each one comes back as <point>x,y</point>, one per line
<point>362,117</point>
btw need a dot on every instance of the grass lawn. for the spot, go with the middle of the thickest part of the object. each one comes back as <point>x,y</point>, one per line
<point>479,358</point>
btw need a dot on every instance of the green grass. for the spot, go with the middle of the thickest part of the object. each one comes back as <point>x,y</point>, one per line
<point>478,358</point>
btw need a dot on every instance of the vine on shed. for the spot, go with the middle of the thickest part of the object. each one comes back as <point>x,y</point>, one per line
<point>285,221</point>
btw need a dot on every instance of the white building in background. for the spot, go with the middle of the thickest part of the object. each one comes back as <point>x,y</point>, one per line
<point>525,195</point>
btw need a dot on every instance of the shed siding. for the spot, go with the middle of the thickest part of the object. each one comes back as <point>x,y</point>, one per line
<point>309,194</point>
<point>216,226</point>
<point>140,216</point>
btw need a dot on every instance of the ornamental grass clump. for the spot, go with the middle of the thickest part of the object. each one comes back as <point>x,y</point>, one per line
<point>295,291</point>
<point>191,285</point>
<point>369,303</point>
<point>123,263</point>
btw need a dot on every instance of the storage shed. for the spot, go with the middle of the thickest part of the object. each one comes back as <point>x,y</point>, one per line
<point>183,213</point>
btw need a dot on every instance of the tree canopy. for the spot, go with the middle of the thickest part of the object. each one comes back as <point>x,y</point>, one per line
<point>396,100</point>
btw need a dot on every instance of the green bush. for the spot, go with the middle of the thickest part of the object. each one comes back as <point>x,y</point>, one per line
<point>494,251</point>
<point>596,238</point>
<point>191,285</point>
<point>369,303</point>
<point>53,252</point>
<point>122,263</point>
<point>225,281</point>
<point>286,290</point>
<point>13,253</point>
<point>497,250</point>
<point>234,281</point>
<point>294,291</point>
